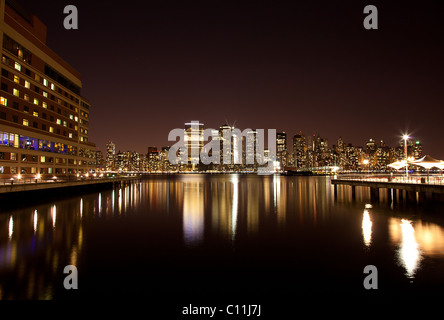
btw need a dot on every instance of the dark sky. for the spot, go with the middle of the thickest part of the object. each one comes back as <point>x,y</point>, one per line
<point>150,66</point>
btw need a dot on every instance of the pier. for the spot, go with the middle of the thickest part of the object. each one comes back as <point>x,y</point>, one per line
<point>12,194</point>
<point>413,188</point>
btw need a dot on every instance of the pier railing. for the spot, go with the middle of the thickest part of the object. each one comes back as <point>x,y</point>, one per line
<point>411,178</point>
<point>59,179</point>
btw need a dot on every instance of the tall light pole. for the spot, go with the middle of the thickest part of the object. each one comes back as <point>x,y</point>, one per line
<point>406,137</point>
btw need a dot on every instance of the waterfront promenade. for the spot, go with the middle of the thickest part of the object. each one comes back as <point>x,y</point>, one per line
<point>413,186</point>
<point>41,185</point>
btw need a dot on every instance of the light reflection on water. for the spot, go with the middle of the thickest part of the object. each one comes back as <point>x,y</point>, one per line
<point>367,228</point>
<point>37,242</point>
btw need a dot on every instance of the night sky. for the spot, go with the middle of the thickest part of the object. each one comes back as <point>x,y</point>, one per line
<point>150,66</point>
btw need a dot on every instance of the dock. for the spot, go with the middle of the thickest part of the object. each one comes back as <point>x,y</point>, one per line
<point>395,188</point>
<point>13,194</point>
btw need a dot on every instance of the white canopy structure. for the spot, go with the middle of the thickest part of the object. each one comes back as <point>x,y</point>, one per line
<point>428,163</point>
<point>397,165</point>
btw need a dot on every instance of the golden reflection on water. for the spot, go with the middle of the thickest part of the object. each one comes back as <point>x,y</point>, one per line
<point>193,212</point>
<point>415,239</point>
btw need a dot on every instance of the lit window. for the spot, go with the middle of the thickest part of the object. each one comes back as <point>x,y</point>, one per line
<point>42,159</point>
<point>25,122</point>
<point>36,101</point>
<point>18,66</point>
<point>76,118</point>
<point>3,101</point>
<point>81,139</point>
<point>64,123</point>
<point>45,82</point>
<point>27,84</point>
<point>35,114</point>
<point>51,129</point>
<point>70,135</point>
<point>26,97</point>
<point>52,86</point>
<point>15,92</point>
<point>16,79</point>
<point>45,94</point>
<point>71,116</point>
<point>44,105</point>
<point>59,121</point>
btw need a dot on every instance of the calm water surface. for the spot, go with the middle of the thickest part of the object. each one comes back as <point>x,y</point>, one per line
<point>203,235</point>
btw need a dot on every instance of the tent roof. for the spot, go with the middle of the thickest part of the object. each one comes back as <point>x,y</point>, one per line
<point>429,162</point>
<point>397,165</point>
<point>428,159</point>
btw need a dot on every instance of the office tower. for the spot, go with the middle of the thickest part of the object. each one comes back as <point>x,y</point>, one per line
<point>371,147</point>
<point>44,119</point>
<point>299,150</point>
<point>110,164</point>
<point>194,142</point>
<point>417,150</point>
<point>251,151</point>
<point>281,148</point>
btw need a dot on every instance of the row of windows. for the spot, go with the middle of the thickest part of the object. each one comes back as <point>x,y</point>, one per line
<point>25,55</point>
<point>13,156</point>
<point>17,66</point>
<point>29,143</point>
<point>16,92</point>
<point>16,49</point>
<point>27,85</point>
<point>34,170</point>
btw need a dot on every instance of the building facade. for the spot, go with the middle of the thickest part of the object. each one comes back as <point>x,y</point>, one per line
<point>44,120</point>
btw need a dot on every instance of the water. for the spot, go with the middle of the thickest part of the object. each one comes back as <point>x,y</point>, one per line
<point>213,236</point>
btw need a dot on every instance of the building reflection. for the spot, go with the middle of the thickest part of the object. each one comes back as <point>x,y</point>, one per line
<point>50,234</point>
<point>235,206</point>
<point>193,212</point>
<point>225,206</point>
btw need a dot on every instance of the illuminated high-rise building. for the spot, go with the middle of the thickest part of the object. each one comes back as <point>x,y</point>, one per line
<point>44,119</point>
<point>299,150</point>
<point>110,161</point>
<point>281,148</point>
<point>417,149</point>
<point>251,152</point>
<point>194,142</point>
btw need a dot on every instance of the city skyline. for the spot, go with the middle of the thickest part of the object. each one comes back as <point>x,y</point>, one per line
<point>285,66</point>
<point>232,149</point>
<point>290,134</point>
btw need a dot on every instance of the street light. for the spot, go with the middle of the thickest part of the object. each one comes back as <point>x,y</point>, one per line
<point>365,162</point>
<point>406,137</point>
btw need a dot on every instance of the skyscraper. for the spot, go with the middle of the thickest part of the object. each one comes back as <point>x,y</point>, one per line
<point>299,150</point>
<point>281,148</point>
<point>110,161</point>
<point>251,148</point>
<point>194,142</point>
